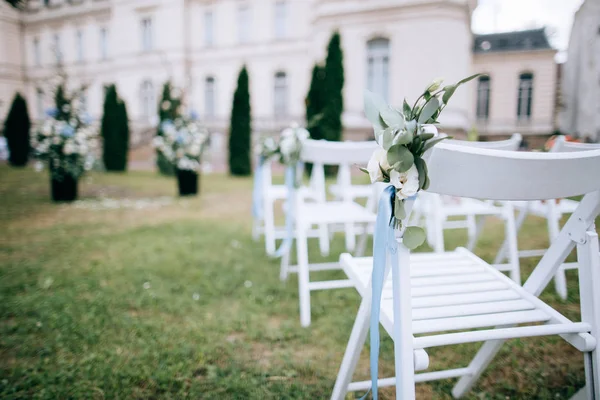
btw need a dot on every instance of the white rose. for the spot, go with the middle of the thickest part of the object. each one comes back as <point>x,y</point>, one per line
<point>56,140</point>
<point>406,183</point>
<point>429,129</point>
<point>69,147</point>
<point>180,153</point>
<point>165,105</point>
<point>194,150</point>
<point>377,162</point>
<point>287,146</point>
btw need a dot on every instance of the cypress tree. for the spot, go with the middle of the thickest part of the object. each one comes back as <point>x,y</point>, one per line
<point>315,101</point>
<point>333,86</point>
<point>112,152</point>
<point>123,134</point>
<point>60,101</point>
<point>240,128</point>
<point>168,109</point>
<point>16,130</point>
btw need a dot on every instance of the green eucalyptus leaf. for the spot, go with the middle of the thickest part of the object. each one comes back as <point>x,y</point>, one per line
<point>387,137</point>
<point>430,143</point>
<point>467,79</point>
<point>448,92</point>
<point>429,109</point>
<point>427,96</point>
<point>400,158</point>
<point>392,117</point>
<point>426,136</point>
<point>407,110</point>
<point>413,237</point>
<point>426,183</point>
<point>399,211</point>
<point>374,103</point>
<point>366,171</point>
<point>403,137</point>
<point>422,168</point>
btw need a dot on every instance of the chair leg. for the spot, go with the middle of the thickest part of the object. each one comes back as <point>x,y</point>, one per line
<point>358,336</point>
<point>439,246</point>
<point>283,268</point>
<point>589,275</point>
<point>510,234</point>
<point>269,227</point>
<point>324,240</point>
<point>480,222</point>
<point>303,275</point>
<point>501,256</point>
<point>482,359</point>
<point>560,279</point>
<point>362,241</point>
<point>350,238</point>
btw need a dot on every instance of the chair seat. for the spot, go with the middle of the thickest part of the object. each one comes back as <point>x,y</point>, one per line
<point>354,191</point>
<point>458,291</point>
<point>280,192</point>
<point>334,212</point>
<point>470,207</point>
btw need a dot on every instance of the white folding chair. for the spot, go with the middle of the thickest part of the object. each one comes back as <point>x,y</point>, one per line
<point>442,213</point>
<point>324,213</point>
<point>434,295</point>
<point>552,211</point>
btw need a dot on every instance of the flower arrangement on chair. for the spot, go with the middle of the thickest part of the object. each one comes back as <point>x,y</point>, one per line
<point>404,136</point>
<point>182,142</point>
<point>67,142</point>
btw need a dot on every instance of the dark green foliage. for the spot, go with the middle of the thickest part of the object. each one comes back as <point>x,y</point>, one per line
<point>115,132</point>
<point>240,128</point>
<point>16,130</point>
<point>19,4</point>
<point>168,109</point>
<point>333,86</point>
<point>315,102</point>
<point>60,101</point>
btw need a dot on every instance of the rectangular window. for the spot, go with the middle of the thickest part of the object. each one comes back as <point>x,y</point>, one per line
<point>103,43</point>
<point>209,98</point>
<point>280,19</point>
<point>37,59</point>
<point>57,49</point>
<point>483,98</point>
<point>79,44</point>
<point>525,96</point>
<point>147,36</point>
<point>39,103</point>
<point>243,24</point>
<point>280,95</point>
<point>208,29</point>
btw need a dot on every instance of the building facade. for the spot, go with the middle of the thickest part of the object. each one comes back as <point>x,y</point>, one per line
<point>393,47</point>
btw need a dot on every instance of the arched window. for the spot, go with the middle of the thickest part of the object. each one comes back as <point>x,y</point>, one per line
<point>378,59</point>
<point>280,95</point>
<point>525,95</point>
<point>483,97</point>
<point>209,97</point>
<point>148,100</point>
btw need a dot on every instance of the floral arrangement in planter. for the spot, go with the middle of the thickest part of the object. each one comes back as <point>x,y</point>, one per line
<point>67,141</point>
<point>404,136</point>
<point>182,142</point>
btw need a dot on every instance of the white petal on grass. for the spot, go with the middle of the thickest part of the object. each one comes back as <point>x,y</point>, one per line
<point>147,285</point>
<point>248,284</point>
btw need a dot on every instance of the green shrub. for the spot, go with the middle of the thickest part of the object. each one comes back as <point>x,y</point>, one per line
<point>115,132</point>
<point>16,130</point>
<point>168,109</point>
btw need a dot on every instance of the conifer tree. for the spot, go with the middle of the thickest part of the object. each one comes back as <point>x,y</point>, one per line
<point>240,130</point>
<point>16,131</point>
<point>333,86</point>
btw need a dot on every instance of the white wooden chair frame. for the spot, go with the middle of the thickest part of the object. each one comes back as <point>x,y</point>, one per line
<point>321,212</point>
<point>437,215</point>
<point>441,292</point>
<point>552,211</point>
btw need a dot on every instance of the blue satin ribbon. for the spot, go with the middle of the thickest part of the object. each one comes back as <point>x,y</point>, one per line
<point>384,241</point>
<point>290,185</point>
<point>257,190</point>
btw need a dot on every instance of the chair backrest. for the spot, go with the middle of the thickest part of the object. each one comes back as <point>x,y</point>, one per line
<point>510,175</point>
<point>561,145</point>
<point>337,153</point>
<point>512,143</point>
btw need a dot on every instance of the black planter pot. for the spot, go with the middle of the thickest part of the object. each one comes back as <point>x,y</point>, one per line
<point>187,181</point>
<point>64,190</point>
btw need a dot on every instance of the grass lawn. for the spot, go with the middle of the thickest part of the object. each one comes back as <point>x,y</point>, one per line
<point>171,298</point>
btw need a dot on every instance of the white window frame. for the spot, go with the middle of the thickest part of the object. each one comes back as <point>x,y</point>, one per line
<point>58,55</point>
<point>103,33</point>
<point>243,25</point>
<point>280,95</point>
<point>148,99</point>
<point>378,66</point>
<point>209,28</point>
<point>37,56</point>
<point>484,92</point>
<point>281,19</point>
<point>79,43</point>
<point>39,103</point>
<point>210,97</point>
<point>147,33</point>
<point>525,96</point>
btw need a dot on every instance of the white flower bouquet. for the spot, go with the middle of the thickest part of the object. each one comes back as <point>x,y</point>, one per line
<point>287,148</point>
<point>66,140</point>
<point>182,143</point>
<point>404,137</point>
